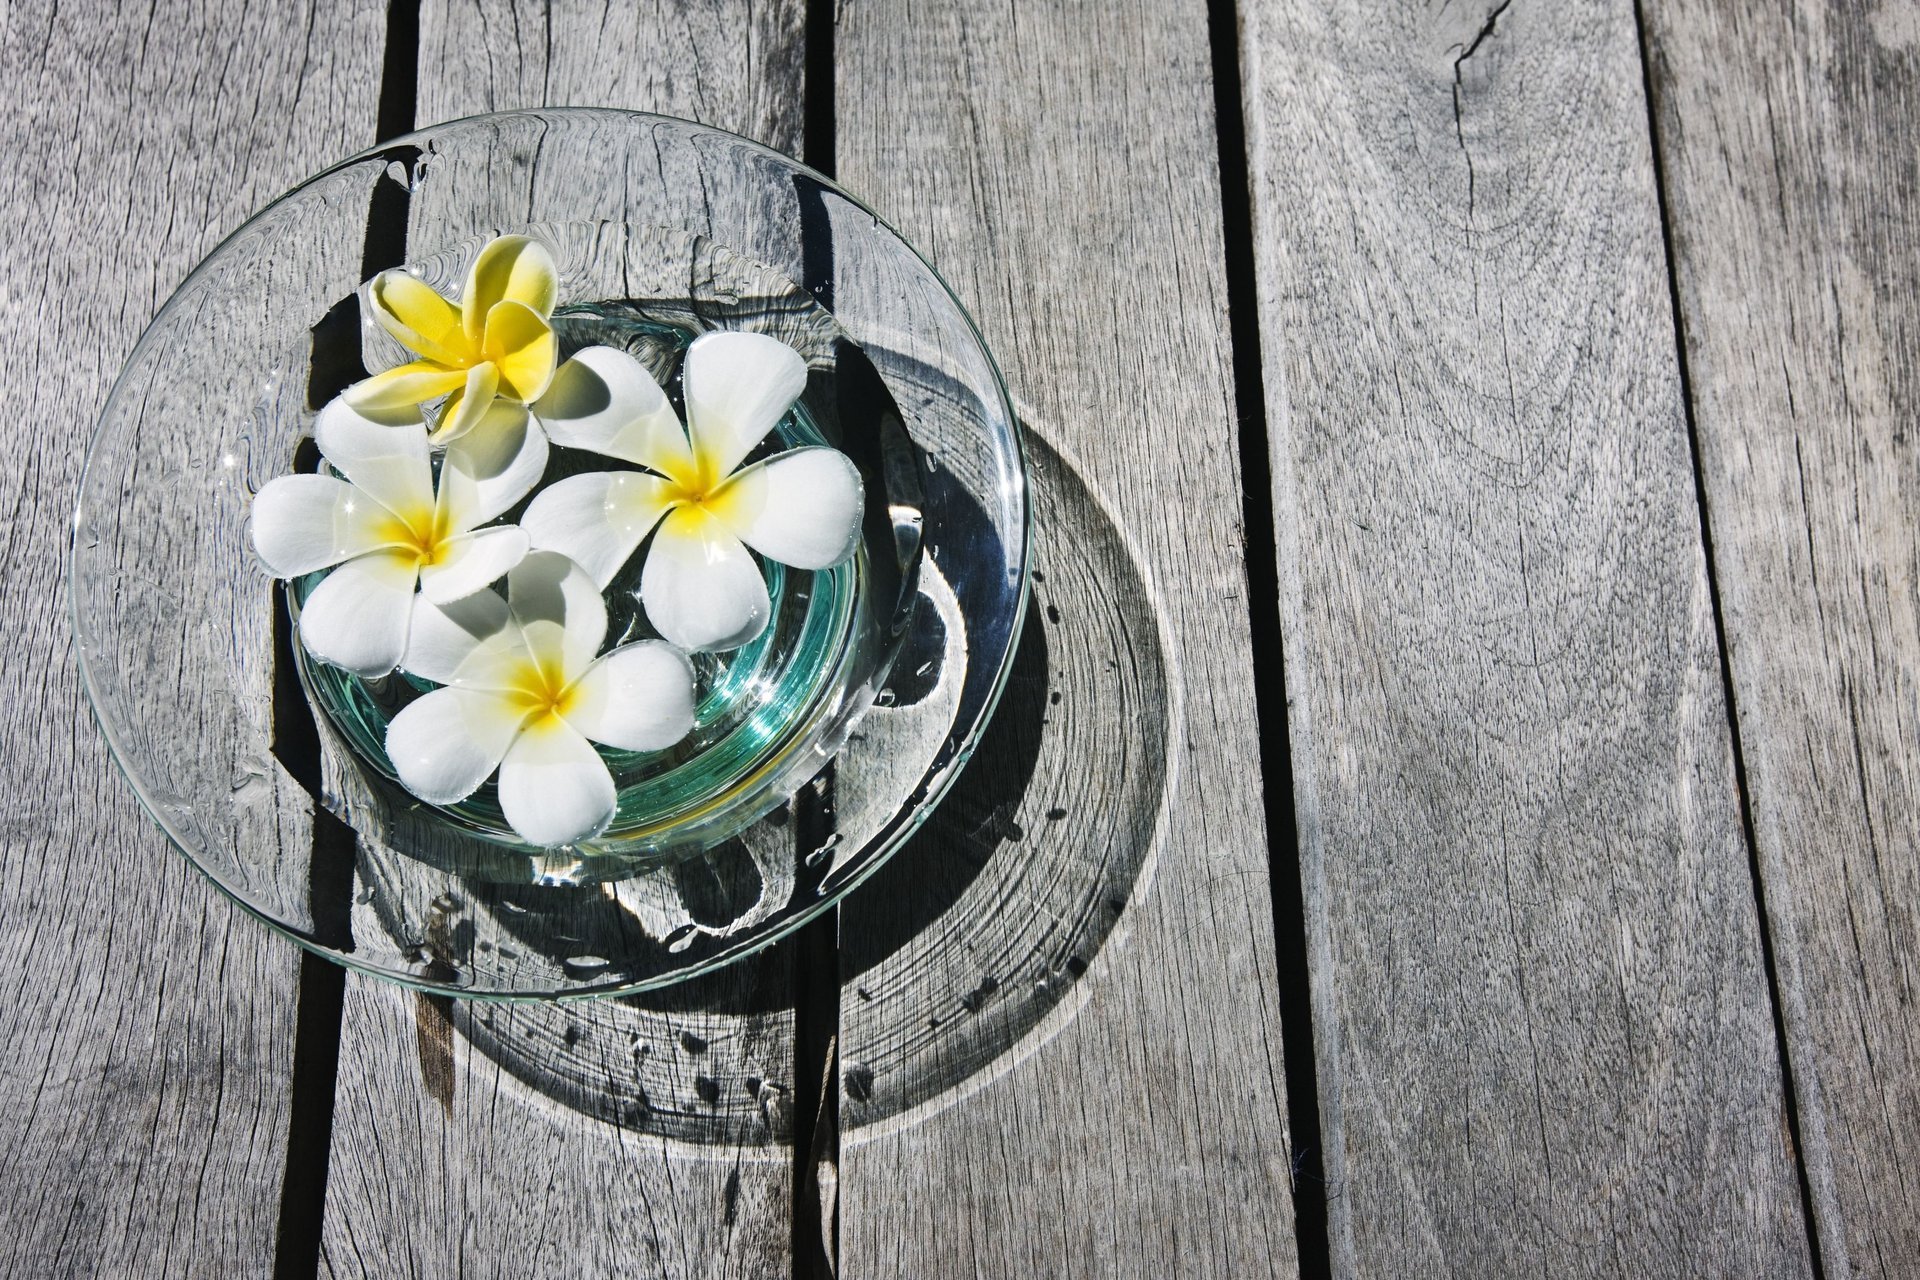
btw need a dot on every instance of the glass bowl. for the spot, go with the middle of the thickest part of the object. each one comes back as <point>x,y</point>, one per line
<point>266,768</point>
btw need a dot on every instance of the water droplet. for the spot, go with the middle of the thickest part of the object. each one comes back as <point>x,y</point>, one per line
<point>813,859</point>
<point>858,1079</point>
<point>582,967</point>
<point>977,998</point>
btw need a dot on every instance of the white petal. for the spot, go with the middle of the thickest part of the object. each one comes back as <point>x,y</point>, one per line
<point>385,459</point>
<point>444,636</point>
<point>801,508</point>
<point>448,742</point>
<point>357,617</point>
<point>493,466</point>
<point>604,401</point>
<point>638,698</point>
<point>303,523</point>
<point>737,385</point>
<point>597,519</point>
<point>470,561</point>
<point>554,788</point>
<point>559,610</point>
<point>701,587</point>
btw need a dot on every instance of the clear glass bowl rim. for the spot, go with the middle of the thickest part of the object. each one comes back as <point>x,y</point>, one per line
<point>876,855</point>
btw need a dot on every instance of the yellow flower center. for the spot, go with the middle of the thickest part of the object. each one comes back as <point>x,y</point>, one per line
<point>704,490</point>
<point>423,531</point>
<point>540,693</point>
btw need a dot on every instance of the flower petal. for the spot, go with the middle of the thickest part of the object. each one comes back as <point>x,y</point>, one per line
<point>447,743</point>
<point>637,698</point>
<point>554,788</point>
<point>510,268</point>
<point>701,587</point>
<point>468,403</point>
<point>597,519</point>
<point>604,401</point>
<point>470,561</point>
<point>404,385</point>
<point>559,610</point>
<point>357,617</point>
<point>303,523</point>
<point>521,343</point>
<point>801,508</point>
<point>419,318</point>
<point>385,461</point>
<point>444,636</point>
<point>492,467</point>
<point>738,386</point>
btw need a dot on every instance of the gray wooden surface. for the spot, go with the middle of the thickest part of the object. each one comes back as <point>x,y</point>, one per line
<point>1067,187</point>
<point>1543,1028</point>
<point>1589,680</point>
<point>144,1088</point>
<point>1793,215</point>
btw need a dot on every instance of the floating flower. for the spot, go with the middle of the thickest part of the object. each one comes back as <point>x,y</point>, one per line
<point>701,588</point>
<point>388,526</point>
<point>496,343</point>
<point>525,694</point>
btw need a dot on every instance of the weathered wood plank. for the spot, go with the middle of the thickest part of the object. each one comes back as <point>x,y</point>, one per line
<point>1062,173</point>
<point>1785,134</point>
<point>633,1137</point>
<point>148,1024</point>
<point>1542,1024</point>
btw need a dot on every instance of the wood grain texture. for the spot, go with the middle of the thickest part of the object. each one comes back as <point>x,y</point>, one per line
<point>1542,1024</point>
<point>1061,172</point>
<point>447,1164</point>
<point>733,64</point>
<point>148,1024</point>
<point>481,1125</point>
<point>1785,133</point>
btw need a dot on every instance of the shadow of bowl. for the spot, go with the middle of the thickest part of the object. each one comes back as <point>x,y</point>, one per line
<point>974,944</point>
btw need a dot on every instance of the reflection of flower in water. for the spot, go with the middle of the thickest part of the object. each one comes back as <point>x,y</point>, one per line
<point>497,343</point>
<point>389,527</point>
<point>701,588</point>
<point>525,694</point>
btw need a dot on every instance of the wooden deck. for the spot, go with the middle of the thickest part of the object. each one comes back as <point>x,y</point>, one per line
<point>1456,808</point>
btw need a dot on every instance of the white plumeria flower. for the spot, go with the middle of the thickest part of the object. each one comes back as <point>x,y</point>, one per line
<point>389,527</point>
<point>525,694</point>
<point>701,588</point>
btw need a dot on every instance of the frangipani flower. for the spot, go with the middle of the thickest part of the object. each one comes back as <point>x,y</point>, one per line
<point>496,343</point>
<point>701,588</point>
<point>389,527</point>
<point>524,694</point>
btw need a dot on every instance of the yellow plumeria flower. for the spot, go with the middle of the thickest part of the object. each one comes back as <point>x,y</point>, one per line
<point>700,585</point>
<point>496,343</point>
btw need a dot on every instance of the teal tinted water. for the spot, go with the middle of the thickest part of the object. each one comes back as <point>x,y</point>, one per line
<point>757,706</point>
